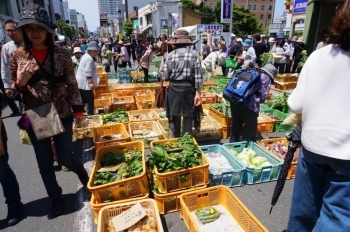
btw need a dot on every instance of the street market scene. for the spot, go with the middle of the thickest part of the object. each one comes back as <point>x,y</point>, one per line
<point>167,116</point>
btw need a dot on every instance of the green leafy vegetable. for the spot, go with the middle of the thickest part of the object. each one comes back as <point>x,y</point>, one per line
<point>118,116</point>
<point>279,102</point>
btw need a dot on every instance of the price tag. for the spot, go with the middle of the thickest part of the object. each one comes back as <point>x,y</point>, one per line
<point>129,217</point>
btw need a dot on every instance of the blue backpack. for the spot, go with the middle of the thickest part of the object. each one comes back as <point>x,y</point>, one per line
<point>241,86</point>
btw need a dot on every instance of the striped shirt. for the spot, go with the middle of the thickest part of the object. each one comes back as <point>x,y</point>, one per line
<point>184,64</point>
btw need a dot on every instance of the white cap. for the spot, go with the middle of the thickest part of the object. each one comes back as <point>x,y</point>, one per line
<point>239,40</point>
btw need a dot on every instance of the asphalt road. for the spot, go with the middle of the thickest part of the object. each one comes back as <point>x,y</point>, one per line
<point>77,216</point>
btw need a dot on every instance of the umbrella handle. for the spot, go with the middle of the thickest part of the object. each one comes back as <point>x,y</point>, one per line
<point>271,209</point>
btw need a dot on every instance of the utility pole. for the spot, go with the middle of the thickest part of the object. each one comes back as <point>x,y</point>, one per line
<point>126,10</point>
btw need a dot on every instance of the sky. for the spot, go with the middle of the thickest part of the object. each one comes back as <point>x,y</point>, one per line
<point>89,8</point>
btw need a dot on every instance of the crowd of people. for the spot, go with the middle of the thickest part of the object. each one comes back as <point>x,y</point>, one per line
<point>37,69</point>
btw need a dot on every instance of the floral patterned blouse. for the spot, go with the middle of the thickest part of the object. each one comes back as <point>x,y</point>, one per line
<point>65,95</point>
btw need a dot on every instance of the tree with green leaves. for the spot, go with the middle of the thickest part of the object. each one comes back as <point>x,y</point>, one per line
<point>189,5</point>
<point>83,35</point>
<point>61,24</point>
<point>68,31</point>
<point>128,28</point>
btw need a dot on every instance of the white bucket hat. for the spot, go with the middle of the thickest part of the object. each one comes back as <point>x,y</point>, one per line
<point>76,50</point>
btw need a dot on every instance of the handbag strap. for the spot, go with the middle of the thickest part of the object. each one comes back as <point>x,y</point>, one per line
<point>52,66</point>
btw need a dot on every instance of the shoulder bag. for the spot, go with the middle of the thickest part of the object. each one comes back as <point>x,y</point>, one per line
<point>45,119</point>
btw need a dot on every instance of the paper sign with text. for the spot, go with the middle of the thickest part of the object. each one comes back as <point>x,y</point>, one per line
<point>129,217</point>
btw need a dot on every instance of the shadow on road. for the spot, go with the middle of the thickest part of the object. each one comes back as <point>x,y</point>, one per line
<point>84,150</point>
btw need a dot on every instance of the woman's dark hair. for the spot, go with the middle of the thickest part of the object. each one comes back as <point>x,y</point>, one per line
<point>48,41</point>
<point>205,41</point>
<point>340,27</point>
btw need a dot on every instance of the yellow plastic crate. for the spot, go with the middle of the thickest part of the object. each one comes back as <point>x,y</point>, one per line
<point>101,89</point>
<point>108,212</point>
<point>136,186</point>
<point>265,124</point>
<point>170,202</point>
<point>123,103</point>
<point>219,117</point>
<point>111,129</point>
<point>145,101</point>
<point>293,167</point>
<point>148,125</point>
<point>142,115</point>
<point>96,206</point>
<point>126,89</point>
<point>208,98</point>
<point>171,181</point>
<point>218,195</point>
<point>84,130</point>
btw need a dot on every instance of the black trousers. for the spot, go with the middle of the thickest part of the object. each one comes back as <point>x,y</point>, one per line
<point>123,65</point>
<point>88,98</point>
<point>295,66</point>
<point>242,115</point>
<point>145,71</point>
<point>280,67</point>
<point>10,101</point>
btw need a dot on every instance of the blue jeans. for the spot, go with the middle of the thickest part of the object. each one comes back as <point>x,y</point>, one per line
<point>8,181</point>
<point>321,194</point>
<point>45,158</point>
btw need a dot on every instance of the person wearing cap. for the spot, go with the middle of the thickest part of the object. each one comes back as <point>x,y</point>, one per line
<point>280,52</point>
<point>77,53</point>
<point>250,56</point>
<point>123,57</point>
<point>224,51</point>
<point>259,48</point>
<point>248,114</point>
<point>106,57</point>
<point>272,44</point>
<point>299,47</point>
<point>31,75</point>
<point>183,69</point>
<point>87,76</point>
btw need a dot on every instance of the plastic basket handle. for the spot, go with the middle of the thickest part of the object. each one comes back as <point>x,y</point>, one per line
<point>108,132</point>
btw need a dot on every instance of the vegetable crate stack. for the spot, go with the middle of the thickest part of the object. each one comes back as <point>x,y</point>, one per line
<point>177,166</point>
<point>141,215</point>
<point>125,89</point>
<point>123,75</point>
<point>103,102</point>
<point>145,101</point>
<point>286,81</point>
<point>260,165</point>
<point>217,207</point>
<point>278,116</point>
<point>279,148</point>
<point>209,130</point>
<point>279,103</point>
<point>123,103</point>
<point>103,84</point>
<point>118,175</point>
<point>84,130</point>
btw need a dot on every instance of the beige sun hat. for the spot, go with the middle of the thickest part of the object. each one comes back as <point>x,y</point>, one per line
<point>77,50</point>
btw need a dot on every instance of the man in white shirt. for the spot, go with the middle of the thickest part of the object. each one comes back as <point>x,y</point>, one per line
<point>209,63</point>
<point>7,49</point>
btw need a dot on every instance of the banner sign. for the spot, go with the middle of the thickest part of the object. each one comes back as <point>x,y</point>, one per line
<point>299,6</point>
<point>204,29</point>
<point>163,23</point>
<point>226,11</point>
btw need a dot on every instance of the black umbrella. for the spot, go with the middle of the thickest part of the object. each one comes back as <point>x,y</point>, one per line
<point>293,143</point>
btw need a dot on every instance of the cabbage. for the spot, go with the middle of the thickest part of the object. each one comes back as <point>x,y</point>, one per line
<point>245,162</point>
<point>233,151</point>
<point>243,156</point>
<point>257,161</point>
<point>251,153</point>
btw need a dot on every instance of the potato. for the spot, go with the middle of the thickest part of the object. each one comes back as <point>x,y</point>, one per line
<point>150,213</point>
<point>153,224</point>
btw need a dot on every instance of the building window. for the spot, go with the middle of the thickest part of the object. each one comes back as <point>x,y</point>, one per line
<point>254,7</point>
<point>262,7</point>
<point>261,16</point>
<point>269,17</point>
<point>270,7</point>
<point>249,7</point>
<point>141,20</point>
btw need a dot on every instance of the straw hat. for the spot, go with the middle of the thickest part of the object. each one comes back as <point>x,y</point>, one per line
<point>77,50</point>
<point>300,40</point>
<point>180,37</point>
